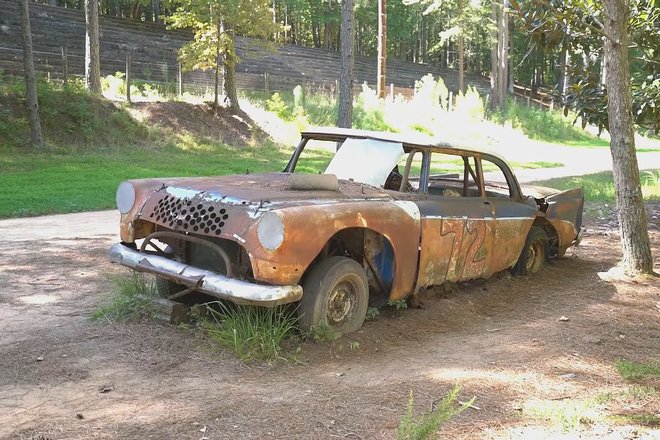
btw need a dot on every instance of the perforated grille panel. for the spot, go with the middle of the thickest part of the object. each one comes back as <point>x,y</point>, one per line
<point>188,215</point>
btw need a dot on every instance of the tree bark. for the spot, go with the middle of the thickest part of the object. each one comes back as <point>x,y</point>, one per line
<point>461,53</point>
<point>382,48</point>
<point>229,64</point>
<point>345,118</point>
<point>494,100</point>
<point>92,60</point>
<point>502,56</point>
<point>36,136</point>
<point>637,258</point>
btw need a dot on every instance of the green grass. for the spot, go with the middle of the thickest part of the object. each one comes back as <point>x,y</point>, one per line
<point>425,426</point>
<point>130,299</point>
<point>60,182</point>
<point>638,371</point>
<point>252,333</point>
<point>600,186</point>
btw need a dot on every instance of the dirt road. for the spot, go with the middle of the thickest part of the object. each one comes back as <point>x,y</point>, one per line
<point>501,339</point>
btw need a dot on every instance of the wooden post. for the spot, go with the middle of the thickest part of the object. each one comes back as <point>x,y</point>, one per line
<point>65,65</point>
<point>528,98</point>
<point>392,92</point>
<point>266,85</point>
<point>450,102</point>
<point>128,76</point>
<point>180,80</point>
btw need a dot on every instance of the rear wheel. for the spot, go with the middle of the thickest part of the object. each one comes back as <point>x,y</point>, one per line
<point>534,253</point>
<point>336,295</point>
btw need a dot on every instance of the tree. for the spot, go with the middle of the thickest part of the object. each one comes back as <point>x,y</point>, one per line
<point>30,81</point>
<point>382,48</point>
<point>347,61</point>
<point>214,24</point>
<point>635,243</point>
<point>92,58</point>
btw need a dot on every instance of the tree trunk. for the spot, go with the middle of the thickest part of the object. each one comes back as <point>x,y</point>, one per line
<point>637,258</point>
<point>92,61</point>
<point>155,7</point>
<point>36,136</point>
<point>345,118</point>
<point>229,64</point>
<point>503,55</point>
<point>216,83</point>
<point>461,53</point>
<point>382,48</point>
<point>494,100</point>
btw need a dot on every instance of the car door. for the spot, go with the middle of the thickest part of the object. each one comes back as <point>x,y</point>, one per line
<point>456,223</point>
<point>513,215</point>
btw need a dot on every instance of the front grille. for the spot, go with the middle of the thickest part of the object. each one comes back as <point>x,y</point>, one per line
<point>186,215</point>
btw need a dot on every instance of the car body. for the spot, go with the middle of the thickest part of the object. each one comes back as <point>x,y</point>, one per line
<point>391,215</point>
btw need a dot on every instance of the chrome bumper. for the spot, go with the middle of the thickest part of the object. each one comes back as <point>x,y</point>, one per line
<point>211,283</point>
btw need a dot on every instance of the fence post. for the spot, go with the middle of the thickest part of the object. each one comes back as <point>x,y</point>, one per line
<point>392,92</point>
<point>128,76</point>
<point>65,65</point>
<point>450,102</point>
<point>266,85</point>
<point>528,98</point>
<point>180,80</point>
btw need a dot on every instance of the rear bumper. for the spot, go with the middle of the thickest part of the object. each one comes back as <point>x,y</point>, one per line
<point>211,283</point>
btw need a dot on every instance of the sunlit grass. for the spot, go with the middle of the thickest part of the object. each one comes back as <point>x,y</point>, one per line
<point>600,186</point>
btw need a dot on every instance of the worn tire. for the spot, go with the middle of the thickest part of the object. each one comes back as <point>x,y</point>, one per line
<point>166,288</point>
<point>534,253</point>
<point>336,295</point>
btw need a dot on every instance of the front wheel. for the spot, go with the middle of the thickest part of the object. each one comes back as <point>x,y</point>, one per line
<point>335,294</point>
<point>533,254</point>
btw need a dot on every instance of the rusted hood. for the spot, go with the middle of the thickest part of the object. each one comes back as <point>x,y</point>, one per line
<point>261,188</point>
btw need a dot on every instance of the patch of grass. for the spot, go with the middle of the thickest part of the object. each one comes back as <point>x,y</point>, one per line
<point>567,414</point>
<point>643,419</point>
<point>638,371</point>
<point>130,299</point>
<point>600,186</point>
<point>425,426</point>
<point>252,333</point>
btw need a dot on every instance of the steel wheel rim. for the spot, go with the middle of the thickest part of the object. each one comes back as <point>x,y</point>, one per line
<point>342,302</point>
<point>534,255</point>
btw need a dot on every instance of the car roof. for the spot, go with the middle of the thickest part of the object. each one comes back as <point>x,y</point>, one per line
<point>409,140</point>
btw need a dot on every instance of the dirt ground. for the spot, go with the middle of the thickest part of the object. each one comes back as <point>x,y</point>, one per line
<point>516,344</point>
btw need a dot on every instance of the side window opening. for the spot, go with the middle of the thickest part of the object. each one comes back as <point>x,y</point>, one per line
<point>495,181</point>
<point>452,175</point>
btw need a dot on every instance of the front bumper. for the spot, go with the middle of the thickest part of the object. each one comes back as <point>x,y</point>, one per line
<point>211,283</point>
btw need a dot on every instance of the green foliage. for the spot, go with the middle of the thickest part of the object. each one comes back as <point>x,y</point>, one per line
<point>131,299</point>
<point>368,113</point>
<point>545,125</point>
<point>398,304</point>
<point>276,105</point>
<point>638,371</point>
<point>568,414</point>
<point>252,333</point>
<point>425,426</point>
<point>323,333</point>
<point>372,313</point>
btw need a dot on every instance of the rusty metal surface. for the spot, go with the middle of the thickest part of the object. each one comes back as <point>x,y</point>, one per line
<point>433,238</point>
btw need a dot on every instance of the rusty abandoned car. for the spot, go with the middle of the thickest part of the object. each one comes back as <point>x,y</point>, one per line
<point>390,215</point>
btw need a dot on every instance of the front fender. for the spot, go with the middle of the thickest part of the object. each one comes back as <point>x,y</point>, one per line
<point>308,228</point>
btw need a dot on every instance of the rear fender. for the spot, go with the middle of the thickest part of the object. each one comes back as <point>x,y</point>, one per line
<point>564,212</point>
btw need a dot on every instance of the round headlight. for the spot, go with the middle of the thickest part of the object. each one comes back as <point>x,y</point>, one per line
<point>270,231</point>
<point>125,197</point>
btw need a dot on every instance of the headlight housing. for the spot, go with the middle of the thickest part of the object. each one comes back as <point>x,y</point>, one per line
<point>125,197</point>
<point>270,231</point>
